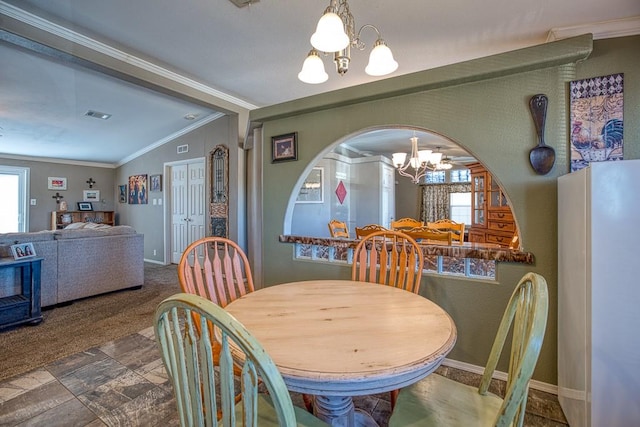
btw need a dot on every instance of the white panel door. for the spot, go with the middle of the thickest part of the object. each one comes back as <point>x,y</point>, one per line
<point>188,206</point>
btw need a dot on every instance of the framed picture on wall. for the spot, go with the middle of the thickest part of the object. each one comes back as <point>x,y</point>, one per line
<point>156,183</point>
<point>311,190</point>
<point>284,147</point>
<point>85,206</point>
<point>56,183</point>
<point>122,193</point>
<point>91,195</point>
<point>138,190</point>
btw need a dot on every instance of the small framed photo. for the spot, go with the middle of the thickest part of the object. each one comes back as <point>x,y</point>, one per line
<point>284,147</point>
<point>156,183</point>
<point>122,191</point>
<point>62,206</point>
<point>56,183</point>
<point>85,206</point>
<point>90,195</point>
<point>23,250</point>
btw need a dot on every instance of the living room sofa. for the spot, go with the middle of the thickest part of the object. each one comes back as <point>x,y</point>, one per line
<point>80,262</point>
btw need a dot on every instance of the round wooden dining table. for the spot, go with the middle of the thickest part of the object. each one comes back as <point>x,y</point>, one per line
<point>336,339</point>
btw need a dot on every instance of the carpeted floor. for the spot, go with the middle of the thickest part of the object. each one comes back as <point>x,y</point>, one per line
<point>86,323</point>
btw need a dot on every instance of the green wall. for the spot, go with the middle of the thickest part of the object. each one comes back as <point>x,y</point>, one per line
<point>483,106</point>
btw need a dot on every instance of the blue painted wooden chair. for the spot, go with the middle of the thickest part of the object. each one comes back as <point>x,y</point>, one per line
<point>439,401</point>
<point>205,391</point>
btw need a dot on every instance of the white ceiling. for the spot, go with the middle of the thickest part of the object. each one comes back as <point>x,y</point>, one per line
<point>251,55</point>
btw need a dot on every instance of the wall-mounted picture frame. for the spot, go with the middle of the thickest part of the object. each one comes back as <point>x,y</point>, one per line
<point>122,193</point>
<point>284,147</point>
<point>23,250</point>
<point>56,183</point>
<point>155,182</point>
<point>311,190</point>
<point>90,195</point>
<point>85,206</point>
<point>138,190</point>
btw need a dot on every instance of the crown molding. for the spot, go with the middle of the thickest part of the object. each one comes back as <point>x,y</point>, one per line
<point>170,138</point>
<point>600,30</point>
<point>79,39</point>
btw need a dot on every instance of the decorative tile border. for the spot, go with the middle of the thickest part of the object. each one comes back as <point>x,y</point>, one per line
<point>474,260</point>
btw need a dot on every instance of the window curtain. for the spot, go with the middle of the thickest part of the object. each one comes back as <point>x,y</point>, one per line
<point>434,203</point>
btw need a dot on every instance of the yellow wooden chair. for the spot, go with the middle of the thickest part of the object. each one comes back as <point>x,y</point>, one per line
<point>426,234</point>
<point>368,229</point>
<point>439,401</point>
<point>205,389</point>
<point>405,224</point>
<point>457,228</point>
<point>338,228</point>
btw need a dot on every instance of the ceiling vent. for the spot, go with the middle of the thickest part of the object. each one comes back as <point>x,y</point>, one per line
<point>97,114</point>
<point>243,3</point>
<point>183,149</point>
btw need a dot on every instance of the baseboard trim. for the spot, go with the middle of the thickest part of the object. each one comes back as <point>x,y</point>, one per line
<point>537,385</point>
<point>154,261</point>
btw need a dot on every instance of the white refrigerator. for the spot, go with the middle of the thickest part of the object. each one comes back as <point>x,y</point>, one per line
<point>599,295</point>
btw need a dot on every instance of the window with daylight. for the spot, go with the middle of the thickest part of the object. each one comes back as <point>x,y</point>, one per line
<point>435,177</point>
<point>460,207</point>
<point>14,213</point>
<point>460,175</point>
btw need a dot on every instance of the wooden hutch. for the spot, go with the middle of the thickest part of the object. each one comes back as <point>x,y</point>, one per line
<point>491,217</point>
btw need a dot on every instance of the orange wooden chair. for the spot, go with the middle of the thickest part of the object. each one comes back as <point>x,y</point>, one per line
<point>405,224</point>
<point>338,228</point>
<point>217,269</point>
<point>457,228</point>
<point>368,229</point>
<point>427,234</point>
<point>389,258</point>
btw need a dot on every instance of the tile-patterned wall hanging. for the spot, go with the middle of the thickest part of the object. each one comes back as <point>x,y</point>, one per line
<point>596,120</point>
<point>219,204</point>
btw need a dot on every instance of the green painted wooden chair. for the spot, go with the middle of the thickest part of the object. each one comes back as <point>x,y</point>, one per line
<point>439,401</point>
<point>204,391</point>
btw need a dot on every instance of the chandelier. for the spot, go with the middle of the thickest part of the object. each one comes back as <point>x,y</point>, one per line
<point>336,34</point>
<point>420,162</point>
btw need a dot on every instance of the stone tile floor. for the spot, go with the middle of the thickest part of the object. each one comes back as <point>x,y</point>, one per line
<point>123,383</point>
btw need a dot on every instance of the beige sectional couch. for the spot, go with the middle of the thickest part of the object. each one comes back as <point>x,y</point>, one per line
<point>81,262</point>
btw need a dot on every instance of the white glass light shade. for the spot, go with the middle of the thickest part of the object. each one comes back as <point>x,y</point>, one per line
<point>424,156</point>
<point>435,158</point>
<point>381,60</point>
<point>398,159</point>
<point>313,69</point>
<point>330,35</point>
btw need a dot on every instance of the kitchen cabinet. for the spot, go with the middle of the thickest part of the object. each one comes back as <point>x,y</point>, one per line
<point>491,217</point>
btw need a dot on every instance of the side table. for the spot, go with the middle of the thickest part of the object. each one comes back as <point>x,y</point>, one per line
<point>25,306</point>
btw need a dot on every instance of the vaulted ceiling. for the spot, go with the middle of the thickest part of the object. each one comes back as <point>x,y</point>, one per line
<point>240,58</point>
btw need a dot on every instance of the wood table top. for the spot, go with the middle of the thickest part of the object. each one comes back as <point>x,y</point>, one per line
<point>338,332</point>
